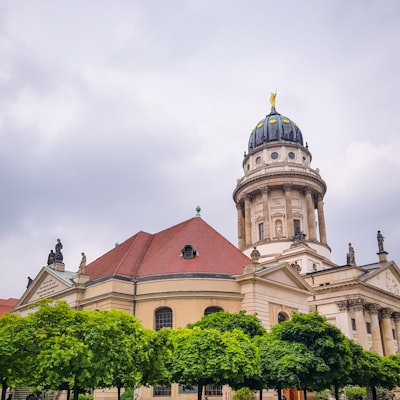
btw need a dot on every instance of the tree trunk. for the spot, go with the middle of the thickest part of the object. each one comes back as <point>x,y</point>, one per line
<point>3,389</point>
<point>305,394</point>
<point>119,389</point>
<point>373,390</point>
<point>76,389</point>
<point>337,392</point>
<point>68,394</point>
<point>279,393</point>
<point>199,391</point>
<point>260,395</point>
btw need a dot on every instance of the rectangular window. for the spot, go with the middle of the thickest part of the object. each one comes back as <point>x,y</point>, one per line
<point>213,390</point>
<point>394,334</point>
<point>261,231</point>
<point>161,391</point>
<point>296,226</point>
<point>368,324</point>
<point>353,324</point>
<point>185,390</point>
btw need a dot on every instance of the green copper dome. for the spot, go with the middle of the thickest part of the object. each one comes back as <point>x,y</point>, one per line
<point>274,127</point>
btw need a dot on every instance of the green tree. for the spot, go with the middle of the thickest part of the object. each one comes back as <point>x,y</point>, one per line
<point>64,360</point>
<point>118,343</point>
<point>288,364</point>
<point>224,321</point>
<point>324,342</point>
<point>209,356</point>
<point>16,352</point>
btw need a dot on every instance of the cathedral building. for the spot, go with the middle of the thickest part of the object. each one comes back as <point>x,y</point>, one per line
<point>282,263</point>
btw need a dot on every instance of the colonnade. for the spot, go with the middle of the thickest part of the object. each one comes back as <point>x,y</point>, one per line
<point>384,336</point>
<point>247,202</point>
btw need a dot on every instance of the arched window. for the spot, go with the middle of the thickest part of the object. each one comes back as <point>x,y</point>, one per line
<point>163,318</point>
<point>212,310</point>
<point>282,317</point>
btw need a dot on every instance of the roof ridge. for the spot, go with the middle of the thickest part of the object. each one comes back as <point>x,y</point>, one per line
<point>131,246</point>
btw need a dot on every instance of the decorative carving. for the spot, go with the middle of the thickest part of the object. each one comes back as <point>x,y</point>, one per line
<point>386,312</point>
<point>391,283</point>
<point>351,304</point>
<point>30,280</point>
<point>296,267</point>
<point>357,304</point>
<point>255,255</point>
<point>373,308</point>
<point>396,316</point>
<point>342,305</point>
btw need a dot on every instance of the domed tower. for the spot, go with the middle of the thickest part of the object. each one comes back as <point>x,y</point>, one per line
<point>279,199</point>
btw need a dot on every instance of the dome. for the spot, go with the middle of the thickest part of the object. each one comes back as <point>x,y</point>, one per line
<point>274,127</point>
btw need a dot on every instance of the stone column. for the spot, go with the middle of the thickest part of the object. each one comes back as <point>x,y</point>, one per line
<point>240,226</point>
<point>289,211</point>
<point>388,342</point>
<point>375,330</point>
<point>358,306</point>
<point>312,235</point>
<point>321,220</point>
<point>247,219</point>
<point>396,316</point>
<point>265,202</point>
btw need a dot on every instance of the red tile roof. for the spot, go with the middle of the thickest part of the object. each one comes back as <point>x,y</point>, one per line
<point>7,305</point>
<point>146,254</point>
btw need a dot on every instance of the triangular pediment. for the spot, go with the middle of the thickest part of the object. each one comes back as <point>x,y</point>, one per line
<point>279,275</point>
<point>48,283</point>
<point>386,278</point>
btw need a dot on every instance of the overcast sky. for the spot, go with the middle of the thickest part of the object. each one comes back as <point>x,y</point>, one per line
<point>121,116</point>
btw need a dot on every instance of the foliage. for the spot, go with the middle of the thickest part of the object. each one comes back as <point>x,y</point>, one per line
<point>287,364</point>
<point>87,349</point>
<point>225,321</point>
<point>243,393</point>
<point>353,392</point>
<point>209,356</point>
<point>326,357</point>
<point>127,395</point>
<point>85,396</point>
<point>17,354</point>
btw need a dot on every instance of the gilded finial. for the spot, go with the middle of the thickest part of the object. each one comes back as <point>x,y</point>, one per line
<point>198,209</point>
<point>272,99</point>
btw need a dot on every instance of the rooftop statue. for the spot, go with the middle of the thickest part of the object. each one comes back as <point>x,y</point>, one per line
<point>56,256</point>
<point>272,99</point>
<point>380,239</point>
<point>350,256</point>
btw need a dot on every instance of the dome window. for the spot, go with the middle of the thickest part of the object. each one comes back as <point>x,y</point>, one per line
<point>291,155</point>
<point>274,155</point>
<point>189,252</point>
<point>258,160</point>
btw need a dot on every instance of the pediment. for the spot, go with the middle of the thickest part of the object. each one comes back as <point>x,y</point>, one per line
<point>386,278</point>
<point>48,283</point>
<point>279,275</point>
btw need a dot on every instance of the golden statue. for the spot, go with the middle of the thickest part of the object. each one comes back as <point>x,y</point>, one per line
<point>272,99</point>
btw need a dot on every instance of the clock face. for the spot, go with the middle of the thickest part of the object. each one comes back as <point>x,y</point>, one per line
<point>291,155</point>
<point>274,155</point>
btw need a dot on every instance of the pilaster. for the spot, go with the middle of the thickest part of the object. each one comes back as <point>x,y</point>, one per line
<point>310,215</point>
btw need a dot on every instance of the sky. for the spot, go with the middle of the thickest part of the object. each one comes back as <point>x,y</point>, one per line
<point>121,116</point>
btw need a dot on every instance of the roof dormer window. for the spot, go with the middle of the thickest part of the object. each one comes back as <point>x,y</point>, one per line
<point>188,252</point>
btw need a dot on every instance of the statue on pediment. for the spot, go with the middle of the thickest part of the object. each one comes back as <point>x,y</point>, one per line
<point>380,240</point>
